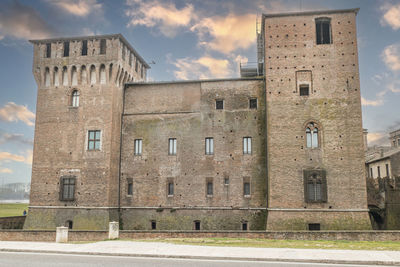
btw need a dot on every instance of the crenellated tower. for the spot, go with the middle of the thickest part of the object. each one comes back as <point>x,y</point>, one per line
<point>77,133</point>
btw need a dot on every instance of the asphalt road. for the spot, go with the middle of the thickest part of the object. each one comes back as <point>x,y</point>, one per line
<point>16,259</point>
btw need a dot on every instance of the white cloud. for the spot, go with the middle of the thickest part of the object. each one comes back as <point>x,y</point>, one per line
<point>165,16</point>
<point>22,22</point>
<point>13,112</point>
<point>7,157</point>
<point>5,170</point>
<point>228,33</point>
<point>391,57</point>
<point>205,67</point>
<point>377,139</point>
<point>374,103</point>
<point>17,138</point>
<point>391,15</point>
<point>79,8</point>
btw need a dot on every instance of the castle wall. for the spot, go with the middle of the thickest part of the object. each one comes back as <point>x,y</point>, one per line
<point>187,112</point>
<point>293,58</point>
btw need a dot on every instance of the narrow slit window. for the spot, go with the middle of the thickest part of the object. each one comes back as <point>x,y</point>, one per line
<point>75,98</point>
<point>103,46</point>
<point>130,189</point>
<point>170,188</point>
<point>66,49</point>
<point>209,188</point>
<point>48,50</point>
<point>84,48</point>
<point>246,189</point>
<point>138,147</point>
<point>209,146</point>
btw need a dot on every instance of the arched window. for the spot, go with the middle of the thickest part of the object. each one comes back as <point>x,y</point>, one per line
<point>75,98</point>
<point>65,76</point>
<point>315,185</point>
<point>92,74</point>
<point>312,136</point>
<point>47,77</point>
<point>56,78</point>
<point>83,75</point>
<point>102,74</point>
<point>74,77</point>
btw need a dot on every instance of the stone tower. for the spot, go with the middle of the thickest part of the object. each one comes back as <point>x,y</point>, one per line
<point>75,166</point>
<point>314,129</point>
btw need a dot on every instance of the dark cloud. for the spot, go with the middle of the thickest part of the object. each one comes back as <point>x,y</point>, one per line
<point>22,22</point>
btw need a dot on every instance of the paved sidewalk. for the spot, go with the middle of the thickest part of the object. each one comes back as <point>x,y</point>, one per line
<point>154,249</point>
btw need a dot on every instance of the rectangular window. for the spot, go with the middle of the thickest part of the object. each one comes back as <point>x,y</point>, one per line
<point>48,50</point>
<point>226,181</point>
<point>246,145</point>
<point>67,190</point>
<point>387,171</point>
<point>172,146</point>
<point>170,188</point>
<point>315,189</point>
<point>123,52</point>
<point>94,140</point>
<point>244,226</point>
<point>209,146</point>
<point>103,47</point>
<point>136,66</point>
<point>323,30</point>
<point>219,104</point>
<point>371,173</point>
<point>84,48</point>
<point>130,188</point>
<point>153,225</point>
<point>304,90</point>
<point>66,49</point>
<point>197,225</point>
<point>138,147</point>
<point>246,188</point>
<point>253,103</point>
<point>398,142</point>
<point>130,59</point>
<point>209,188</point>
<point>379,172</point>
<point>314,227</point>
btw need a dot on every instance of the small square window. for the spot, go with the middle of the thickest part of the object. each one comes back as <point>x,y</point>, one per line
<point>304,90</point>
<point>314,226</point>
<point>197,225</point>
<point>94,140</point>
<point>253,103</point>
<point>219,104</point>
<point>138,147</point>
<point>244,226</point>
<point>172,146</point>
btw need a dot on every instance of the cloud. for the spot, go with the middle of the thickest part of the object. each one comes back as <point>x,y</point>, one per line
<point>378,139</point>
<point>5,170</point>
<point>391,57</point>
<point>78,8</point>
<point>391,15</point>
<point>165,16</point>
<point>7,157</point>
<point>205,67</point>
<point>16,138</point>
<point>22,22</point>
<point>13,112</point>
<point>374,103</point>
<point>227,33</point>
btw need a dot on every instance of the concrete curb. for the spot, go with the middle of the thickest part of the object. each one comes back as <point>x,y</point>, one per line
<point>387,263</point>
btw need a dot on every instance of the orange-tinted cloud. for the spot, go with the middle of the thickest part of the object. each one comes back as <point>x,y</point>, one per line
<point>13,112</point>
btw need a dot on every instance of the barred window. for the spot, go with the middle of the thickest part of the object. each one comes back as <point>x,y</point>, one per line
<point>209,146</point>
<point>315,188</point>
<point>94,140</point>
<point>67,190</point>
<point>246,145</point>
<point>138,147</point>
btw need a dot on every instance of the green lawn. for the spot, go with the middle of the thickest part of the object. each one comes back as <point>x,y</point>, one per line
<point>268,243</point>
<point>14,209</point>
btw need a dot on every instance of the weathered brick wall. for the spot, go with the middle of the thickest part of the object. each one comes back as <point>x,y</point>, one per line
<point>60,146</point>
<point>186,111</point>
<point>13,222</point>
<point>334,104</point>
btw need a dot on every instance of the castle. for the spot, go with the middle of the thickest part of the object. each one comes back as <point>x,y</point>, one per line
<point>279,150</point>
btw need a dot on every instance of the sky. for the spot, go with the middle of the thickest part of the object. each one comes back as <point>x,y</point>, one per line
<point>186,40</point>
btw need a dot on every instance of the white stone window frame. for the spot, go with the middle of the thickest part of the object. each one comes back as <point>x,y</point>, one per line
<point>138,147</point>
<point>209,146</point>
<point>247,145</point>
<point>87,140</point>
<point>172,146</point>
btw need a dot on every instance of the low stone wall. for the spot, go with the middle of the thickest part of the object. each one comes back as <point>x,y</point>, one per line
<point>50,236</point>
<point>14,222</point>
